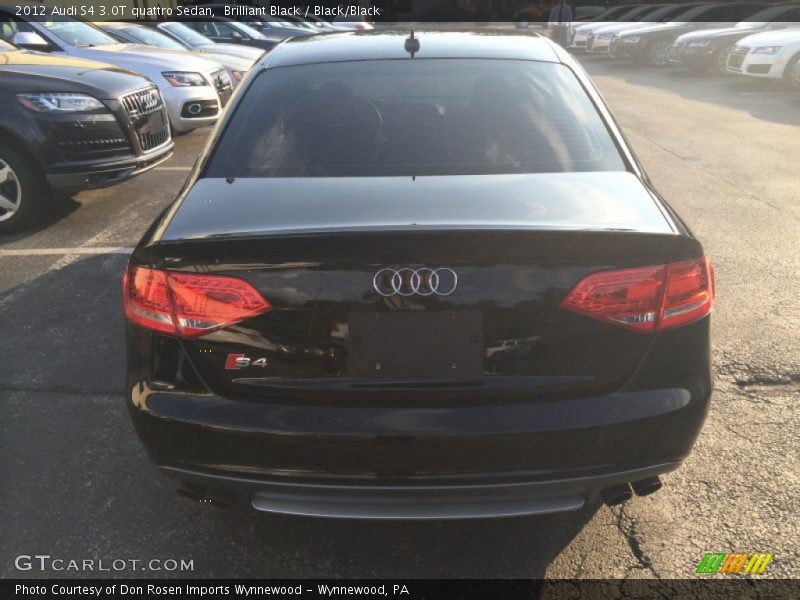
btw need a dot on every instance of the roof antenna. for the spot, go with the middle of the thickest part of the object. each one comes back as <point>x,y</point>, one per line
<point>412,44</point>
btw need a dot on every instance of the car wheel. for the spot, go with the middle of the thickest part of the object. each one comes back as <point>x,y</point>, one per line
<point>722,60</point>
<point>657,53</point>
<point>23,191</point>
<point>791,75</point>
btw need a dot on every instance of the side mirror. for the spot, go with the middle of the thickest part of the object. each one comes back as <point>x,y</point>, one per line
<point>30,41</point>
<point>237,36</point>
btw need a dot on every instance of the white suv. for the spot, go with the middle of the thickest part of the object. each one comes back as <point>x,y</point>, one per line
<point>770,55</point>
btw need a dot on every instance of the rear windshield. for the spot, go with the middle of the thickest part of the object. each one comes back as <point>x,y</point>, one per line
<point>414,117</point>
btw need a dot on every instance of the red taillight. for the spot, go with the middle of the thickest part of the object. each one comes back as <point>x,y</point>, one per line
<point>145,297</point>
<point>186,304</point>
<point>690,292</point>
<point>646,298</point>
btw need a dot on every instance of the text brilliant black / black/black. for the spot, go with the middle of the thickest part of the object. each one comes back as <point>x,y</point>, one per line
<point>428,287</point>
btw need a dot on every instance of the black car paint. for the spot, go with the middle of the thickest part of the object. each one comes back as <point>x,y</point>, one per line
<point>540,201</point>
<point>704,57</point>
<point>45,136</point>
<point>567,407</point>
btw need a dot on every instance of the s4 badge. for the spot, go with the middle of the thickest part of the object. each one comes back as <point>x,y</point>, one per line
<point>239,361</point>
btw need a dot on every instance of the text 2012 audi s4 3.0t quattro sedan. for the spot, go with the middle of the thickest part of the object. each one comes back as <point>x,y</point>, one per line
<point>418,278</point>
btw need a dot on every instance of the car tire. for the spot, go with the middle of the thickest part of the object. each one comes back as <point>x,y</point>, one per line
<point>721,60</point>
<point>24,192</point>
<point>656,54</point>
<point>791,76</point>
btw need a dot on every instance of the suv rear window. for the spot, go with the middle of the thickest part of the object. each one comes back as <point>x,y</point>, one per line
<point>414,117</point>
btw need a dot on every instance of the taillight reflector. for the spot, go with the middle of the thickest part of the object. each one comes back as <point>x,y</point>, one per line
<point>145,297</point>
<point>646,299</point>
<point>186,304</point>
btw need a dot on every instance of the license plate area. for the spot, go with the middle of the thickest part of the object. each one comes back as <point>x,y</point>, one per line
<point>415,344</point>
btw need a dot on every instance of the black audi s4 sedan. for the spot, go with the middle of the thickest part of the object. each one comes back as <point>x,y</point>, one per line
<point>418,277</point>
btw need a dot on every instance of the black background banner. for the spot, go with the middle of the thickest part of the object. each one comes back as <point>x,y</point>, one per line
<point>378,11</point>
<point>713,587</point>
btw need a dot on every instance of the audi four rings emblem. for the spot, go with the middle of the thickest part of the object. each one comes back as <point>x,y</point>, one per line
<point>442,281</point>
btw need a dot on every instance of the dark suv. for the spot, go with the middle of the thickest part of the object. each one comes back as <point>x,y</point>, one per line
<point>69,124</point>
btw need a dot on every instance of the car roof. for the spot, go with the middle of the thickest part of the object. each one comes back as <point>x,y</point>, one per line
<point>382,45</point>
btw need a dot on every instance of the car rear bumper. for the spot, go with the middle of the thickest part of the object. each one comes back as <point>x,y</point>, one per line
<point>416,462</point>
<point>417,502</point>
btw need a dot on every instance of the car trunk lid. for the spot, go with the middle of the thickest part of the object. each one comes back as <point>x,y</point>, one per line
<point>507,251</point>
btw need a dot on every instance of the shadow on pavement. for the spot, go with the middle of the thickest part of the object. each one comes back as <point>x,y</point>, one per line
<point>56,210</point>
<point>764,99</point>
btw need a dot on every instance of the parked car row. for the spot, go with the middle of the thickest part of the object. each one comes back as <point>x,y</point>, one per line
<point>86,105</point>
<point>194,84</point>
<point>746,38</point>
<point>236,64</point>
<point>68,124</point>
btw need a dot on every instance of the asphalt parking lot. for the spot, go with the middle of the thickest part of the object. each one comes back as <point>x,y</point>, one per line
<point>76,484</point>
